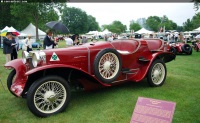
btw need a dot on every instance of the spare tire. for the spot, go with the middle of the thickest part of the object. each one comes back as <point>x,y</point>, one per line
<point>186,48</point>
<point>107,65</point>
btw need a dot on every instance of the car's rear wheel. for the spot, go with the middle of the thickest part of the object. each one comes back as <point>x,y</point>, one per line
<point>10,80</point>
<point>157,73</point>
<point>107,65</point>
<point>49,95</point>
<point>186,48</point>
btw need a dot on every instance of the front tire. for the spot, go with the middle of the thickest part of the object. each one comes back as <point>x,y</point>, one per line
<point>157,73</point>
<point>48,96</point>
<point>10,80</point>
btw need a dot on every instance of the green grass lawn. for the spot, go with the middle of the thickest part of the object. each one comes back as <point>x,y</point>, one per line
<point>116,104</point>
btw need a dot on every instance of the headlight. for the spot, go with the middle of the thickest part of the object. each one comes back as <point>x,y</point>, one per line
<point>25,56</point>
<point>35,59</point>
<point>38,57</point>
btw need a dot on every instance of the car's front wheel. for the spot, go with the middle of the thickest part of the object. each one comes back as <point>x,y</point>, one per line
<point>157,73</point>
<point>49,95</point>
<point>10,80</point>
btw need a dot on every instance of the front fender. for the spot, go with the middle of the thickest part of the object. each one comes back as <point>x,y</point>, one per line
<point>165,56</point>
<point>46,67</point>
<point>20,79</point>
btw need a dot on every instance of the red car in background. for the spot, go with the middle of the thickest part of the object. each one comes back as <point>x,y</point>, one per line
<point>180,48</point>
<point>46,77</point>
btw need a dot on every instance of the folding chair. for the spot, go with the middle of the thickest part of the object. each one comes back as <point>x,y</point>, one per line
<point>2,84</point>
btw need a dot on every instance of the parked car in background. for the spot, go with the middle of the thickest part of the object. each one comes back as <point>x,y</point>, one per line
<point>179,48</point>
<point>46,77</point>
<point>36,45</point>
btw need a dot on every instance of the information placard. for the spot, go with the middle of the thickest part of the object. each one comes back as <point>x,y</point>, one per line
<point>149,110</point>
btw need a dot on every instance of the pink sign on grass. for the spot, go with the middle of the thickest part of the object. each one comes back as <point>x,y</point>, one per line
<point>149,110</point>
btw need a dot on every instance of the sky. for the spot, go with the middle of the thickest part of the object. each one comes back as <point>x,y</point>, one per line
<point>106,13</point>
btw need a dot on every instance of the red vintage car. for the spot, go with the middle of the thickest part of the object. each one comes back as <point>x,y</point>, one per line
<point>46,77</point>
<point>196,45</point>
<point>180,48</point>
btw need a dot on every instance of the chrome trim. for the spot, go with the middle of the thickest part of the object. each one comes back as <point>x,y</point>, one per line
<point>89,71</point>
<point>76,57</point>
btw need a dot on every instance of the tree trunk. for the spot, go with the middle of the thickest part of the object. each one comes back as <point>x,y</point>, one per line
<point>36,25</point>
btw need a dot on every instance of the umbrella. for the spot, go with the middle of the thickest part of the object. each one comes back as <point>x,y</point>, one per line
<point>58,26</point>
<point>14,31</point>
<point>4,31</point>
<point>9,29</point>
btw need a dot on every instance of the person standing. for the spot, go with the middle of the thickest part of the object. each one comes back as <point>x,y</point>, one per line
<point>28,44</point>
<point>48,42</point>
<point>69,41</point>
<point>84,40</point>
<point>7,46</point>
<point>15,48</point>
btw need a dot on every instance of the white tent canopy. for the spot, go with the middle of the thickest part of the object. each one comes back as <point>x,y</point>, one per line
<point>106,31</point>
<point>144,31</point>
<point>31,30</point>
<point>6,28</point>
<point>92,33</point>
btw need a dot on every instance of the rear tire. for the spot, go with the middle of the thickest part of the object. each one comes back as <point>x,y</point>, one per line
<point>186,48</point>
<point>48,96</point>
<point>157,73</point>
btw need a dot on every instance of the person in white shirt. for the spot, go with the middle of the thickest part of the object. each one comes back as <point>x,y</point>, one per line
<point>110,39</point>
<point>69,41</point>
<point>28,44</point>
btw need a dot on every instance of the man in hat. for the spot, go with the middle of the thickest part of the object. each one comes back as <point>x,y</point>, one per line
<point>7,46</point>
<point>48,42</point>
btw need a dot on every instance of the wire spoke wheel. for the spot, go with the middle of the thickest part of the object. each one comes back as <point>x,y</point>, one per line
<point>108,65</point>
<point>158,73</point>
<point>50,97</point>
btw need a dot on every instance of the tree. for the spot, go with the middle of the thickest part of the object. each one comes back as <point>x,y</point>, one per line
<point>142,22</point>
<point>37,13</point>
<point>117,27</point>
<point>93,25</point>
<point>188,26</point>
<point>196,20</point>
<point>75,19</point>
<point>196,4</point>
<point>180,28</point>
<point>153,22</point>
<point>6,18</point>
<point>135,26</point>
<point>103,27</point>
